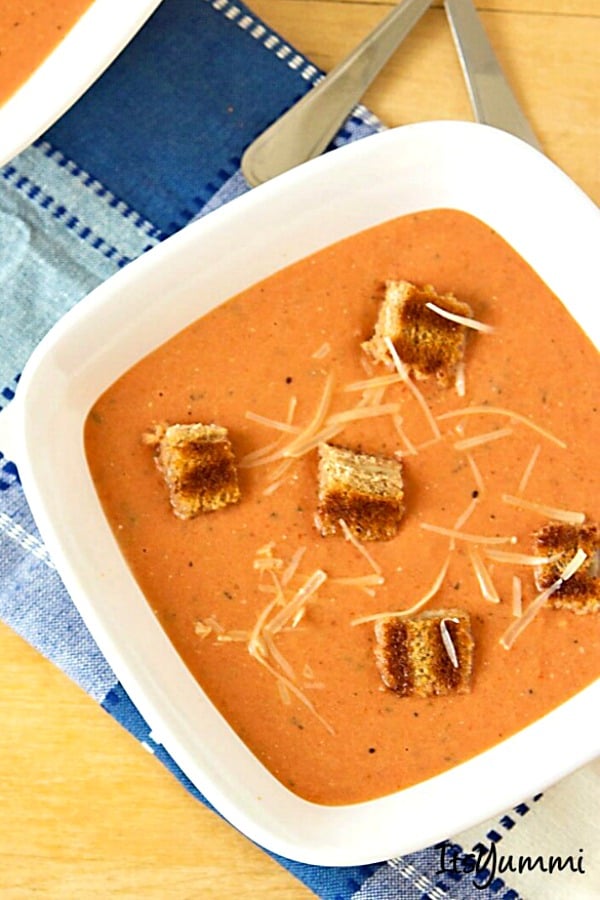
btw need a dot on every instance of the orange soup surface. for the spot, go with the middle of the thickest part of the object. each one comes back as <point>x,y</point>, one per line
<point>29,31</point>
<point>318,715</point>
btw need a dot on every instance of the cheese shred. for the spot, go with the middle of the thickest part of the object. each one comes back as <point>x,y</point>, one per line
<point>293,689</point>
<point>476,474</point>
<point>460,320</point>
<point>402,613</point>
<point>517,597</point>
<point>551,512</point>
<point>411,450</point>
<point>484,579</point>
<point>361,549</point>
<point>478,439</point>
<point>317,420</point>
<point>464,536</point>
<point>370,383</point>
<point>521,559</point>
<point>519,625</point>
<point>300,598</point>
<point>364,412</point>
<point>447,641</point>
<point>528,470</point>
<point>359,581</point>
<point>272,423</point>
<point>412,387</point>
<point>322,351</point>
<point>500,411</point>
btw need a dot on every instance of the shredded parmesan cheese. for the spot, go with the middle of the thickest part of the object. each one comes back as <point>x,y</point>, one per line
<point>293,689</point>
<point>412,386</point>
<point>517,597</point>
<point>430,443</point>
<point>551,512</point>
<point>257,457</point>
<point>284,693</point>
<point>574,565</point>
<point>476,474</point>
<point>371,397</point>
<point>359,581</point>
<point>464,536</point>
<point>364,412</point>
<point>484,579</point>
<point>519,625</point>
<point>447,641</point>
<point>500,411</point>
<point>277,656</point>
<point>368,383</point>
<point>202,629</point>
<point>466,515</point>
<point>304,440</point>
<point>313,441</point>
<point>234,636</point>
<point>256,644</point>
<point>263,564</point>
<point>272,423</point>
<point>322,351</point>
<point>460,320</point>
<point>317,419</point>
<point>416,607</point>
<point>361,549</point>
<point>528,470</point>
<point>300,598</point>
<point>478,439</point>
<point>521,559</point>
<point>398,421</point>
<point>307,672</point>
<point>292,566</point>
<point>274,486</point>
<point>281,469</point>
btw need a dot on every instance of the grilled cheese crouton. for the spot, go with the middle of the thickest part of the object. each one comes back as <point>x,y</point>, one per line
<point>198,466</point>
<point>364,491</point>
<point>429,654</point>
<point>426,342</point>
<point>581,592</point>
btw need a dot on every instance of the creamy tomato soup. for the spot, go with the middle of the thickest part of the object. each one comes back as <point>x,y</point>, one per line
<point>29,31</point>
<point>318,716</point>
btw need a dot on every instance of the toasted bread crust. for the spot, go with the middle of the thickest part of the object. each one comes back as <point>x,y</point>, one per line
<point>363,490</point>
<point>198,466</point>
<point>581,592</point>
<point>413,659</point>
<point>427,343</point>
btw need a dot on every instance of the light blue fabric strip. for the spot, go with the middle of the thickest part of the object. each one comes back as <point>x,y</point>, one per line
<point>61,234</point>
<point>34,603</point>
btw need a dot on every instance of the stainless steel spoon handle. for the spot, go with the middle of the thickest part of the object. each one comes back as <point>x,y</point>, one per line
<point>306,129</point>
<point>491,97</point>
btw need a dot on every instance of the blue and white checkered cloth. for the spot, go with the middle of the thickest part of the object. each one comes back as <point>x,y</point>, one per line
<point>154,144</point>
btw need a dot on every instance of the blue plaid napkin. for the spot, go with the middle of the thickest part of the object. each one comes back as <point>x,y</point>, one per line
<point>154,144</point>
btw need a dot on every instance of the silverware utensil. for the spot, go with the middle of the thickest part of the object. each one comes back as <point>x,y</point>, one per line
<point>491,97</point>
<point>306,129</point>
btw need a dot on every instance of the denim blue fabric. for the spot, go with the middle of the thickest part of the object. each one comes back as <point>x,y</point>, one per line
<point>153,144</point>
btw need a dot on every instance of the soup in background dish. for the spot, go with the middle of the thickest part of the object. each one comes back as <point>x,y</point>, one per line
<point>29,32</point>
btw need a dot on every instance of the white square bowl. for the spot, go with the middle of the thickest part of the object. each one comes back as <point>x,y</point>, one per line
<point>475,168</point>
<point>80,58</point>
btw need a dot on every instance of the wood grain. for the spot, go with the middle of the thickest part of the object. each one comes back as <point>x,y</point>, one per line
<point>86,811</point>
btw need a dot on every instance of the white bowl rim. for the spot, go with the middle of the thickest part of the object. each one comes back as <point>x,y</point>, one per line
<point>456,162</point>
<point>86,50</point>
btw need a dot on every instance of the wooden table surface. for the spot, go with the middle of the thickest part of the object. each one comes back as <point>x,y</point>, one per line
<point>85,811</point>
